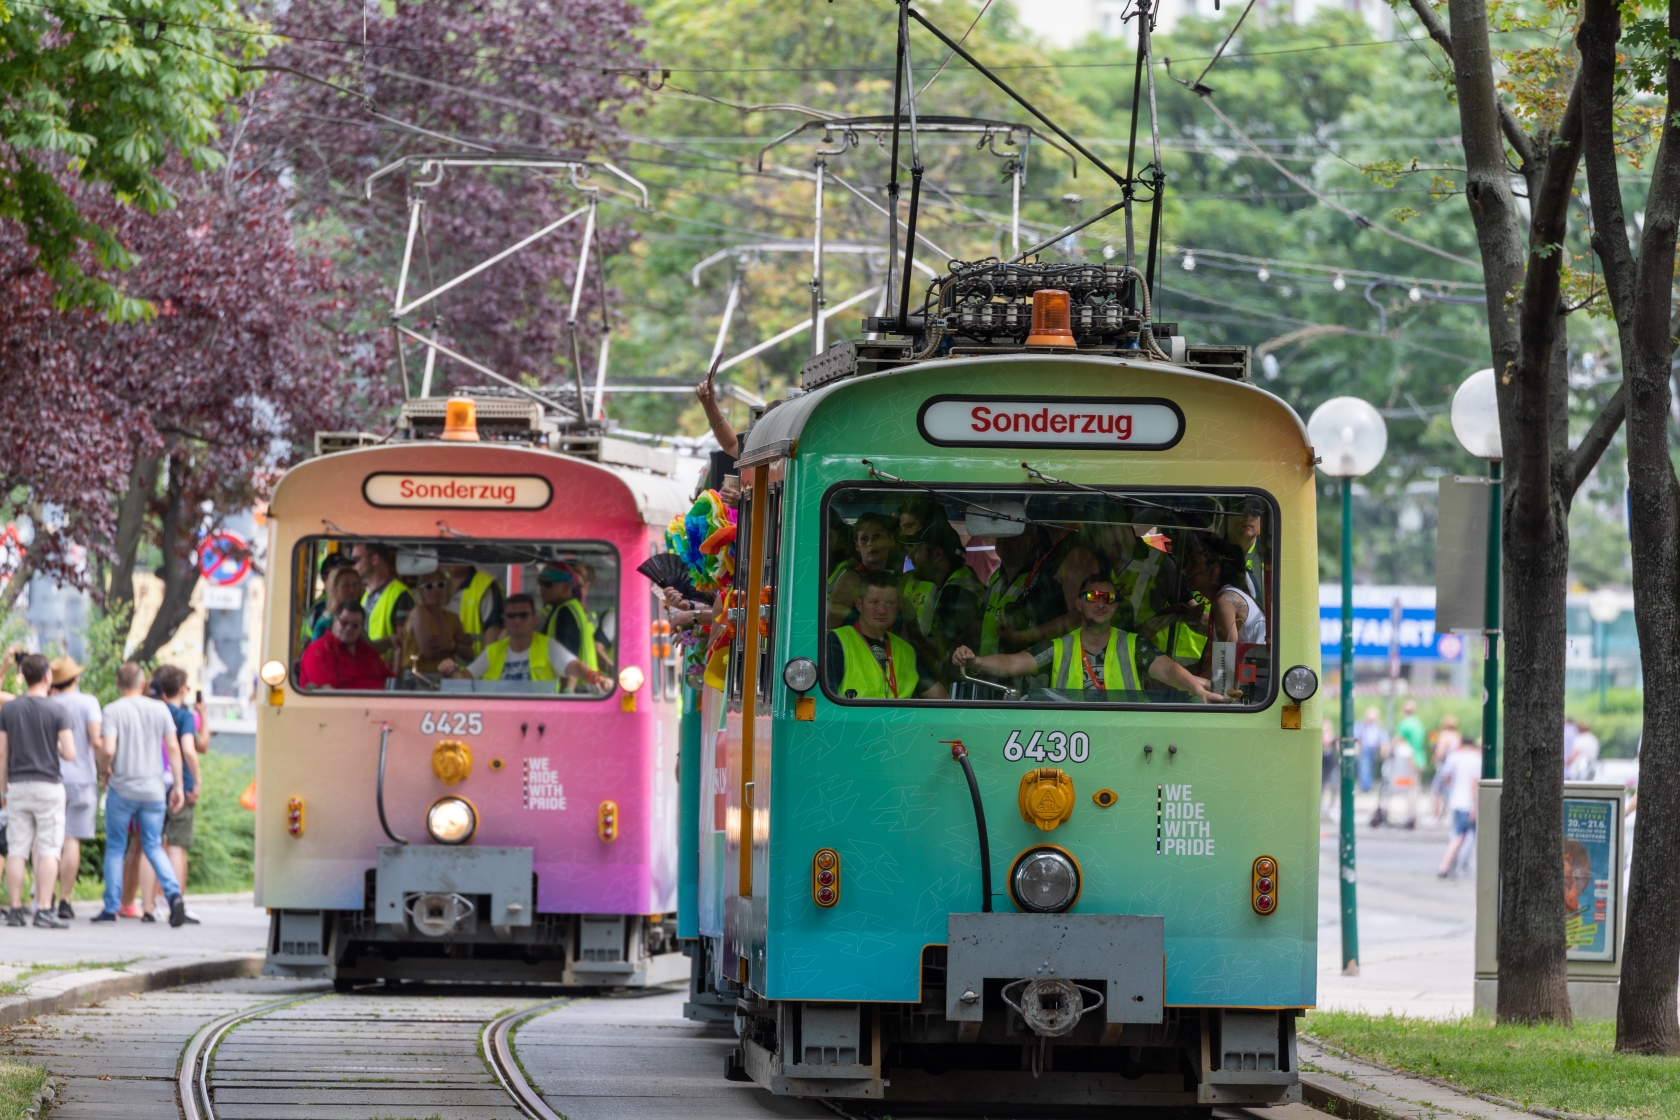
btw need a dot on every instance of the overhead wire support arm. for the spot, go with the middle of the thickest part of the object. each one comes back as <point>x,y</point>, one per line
<point>916,170</point>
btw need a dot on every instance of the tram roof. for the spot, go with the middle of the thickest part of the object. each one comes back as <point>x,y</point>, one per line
<point>658,497</point>
<point>777,430</point>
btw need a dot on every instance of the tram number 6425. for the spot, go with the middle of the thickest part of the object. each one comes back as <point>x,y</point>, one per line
<point>1054,747</point>
<point>452,723</point>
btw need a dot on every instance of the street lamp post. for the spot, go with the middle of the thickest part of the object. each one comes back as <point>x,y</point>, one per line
<point>1475,421</point>
<point>1605,609</point>
<point>1349,437</point>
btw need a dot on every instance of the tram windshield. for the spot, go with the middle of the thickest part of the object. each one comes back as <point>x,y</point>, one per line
<point>461,615</point>
<point>1048,595</point>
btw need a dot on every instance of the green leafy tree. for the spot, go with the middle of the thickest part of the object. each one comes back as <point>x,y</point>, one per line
<point>109,90</point>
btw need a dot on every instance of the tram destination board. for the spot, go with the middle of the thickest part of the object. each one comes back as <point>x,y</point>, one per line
<point>1078,423</point>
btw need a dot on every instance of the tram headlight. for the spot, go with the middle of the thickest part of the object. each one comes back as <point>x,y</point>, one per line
<point>273,674</point>
<point>1299,683</point>
<point>1044,880</point>
<point>800,674</point>
<point>451,820</point>
<point>631,678</point>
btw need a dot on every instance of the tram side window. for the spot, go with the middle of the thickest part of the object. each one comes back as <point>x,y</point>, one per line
<point>478,616</point>
<point>1048,595</point>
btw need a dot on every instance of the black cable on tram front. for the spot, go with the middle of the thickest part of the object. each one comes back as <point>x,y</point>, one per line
<point>379,789</point>
<point>960,753</point>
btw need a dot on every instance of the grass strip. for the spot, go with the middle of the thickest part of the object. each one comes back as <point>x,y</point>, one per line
<point>19,1082</point>
<point>1570,1070</point>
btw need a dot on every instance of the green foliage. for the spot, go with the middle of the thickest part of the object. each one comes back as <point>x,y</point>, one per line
<point>107,90</point>
<point>14,635</point>
<point>107,637</point>
<point>223,856</point>
<point>1568,1069</point>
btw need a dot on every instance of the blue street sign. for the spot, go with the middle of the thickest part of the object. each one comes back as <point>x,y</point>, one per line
<point>1373,631</point>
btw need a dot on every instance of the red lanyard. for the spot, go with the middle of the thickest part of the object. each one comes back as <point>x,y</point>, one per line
<point>1090,670</point>
<point>886,666</point>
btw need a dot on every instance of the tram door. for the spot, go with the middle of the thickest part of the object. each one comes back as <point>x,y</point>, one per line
<point>748,693</point>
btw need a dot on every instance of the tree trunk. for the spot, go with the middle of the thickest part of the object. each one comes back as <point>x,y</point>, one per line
<point>131,529</point>
<point>1523,323</point>
<point>179,570</point>
<point>1642,294</point>
<point>18,580</point>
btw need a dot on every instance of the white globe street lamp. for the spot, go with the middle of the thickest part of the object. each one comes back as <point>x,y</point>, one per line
<point>1349,437</point>
<point>1605,607</point>
<point>1475,421</point>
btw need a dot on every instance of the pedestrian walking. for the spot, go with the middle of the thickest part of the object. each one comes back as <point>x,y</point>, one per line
<point>1580,761</point>
<point>1330,776</point>
<point>1371,737</point>
<point>1447,740</point>
<point>35,735</point>
<point>170,683</point>
<point>81,780</point>
<point>1461,772</point>
<point>132,766</point>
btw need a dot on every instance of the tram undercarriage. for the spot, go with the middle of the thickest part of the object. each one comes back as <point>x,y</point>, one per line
<point>440,937</point>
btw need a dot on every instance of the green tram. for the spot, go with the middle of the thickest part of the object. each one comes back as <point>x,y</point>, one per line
<point>1012,792</point>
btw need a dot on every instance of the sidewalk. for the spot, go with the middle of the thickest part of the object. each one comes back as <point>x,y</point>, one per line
<point>230,925</point>
<point>1416,931</point>
<point>1355,1089</point>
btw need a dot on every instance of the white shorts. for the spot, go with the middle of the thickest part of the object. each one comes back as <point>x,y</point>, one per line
<point>35,819</point>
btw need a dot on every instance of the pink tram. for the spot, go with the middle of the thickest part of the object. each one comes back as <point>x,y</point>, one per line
<point>480,816</point>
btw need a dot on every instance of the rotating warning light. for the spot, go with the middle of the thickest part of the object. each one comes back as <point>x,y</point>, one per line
<point>273,674</point>
<point>460,421</point>
<point>1052,319</point>
<point>1044,880</point>
<point>1263,895</point>
<point>451,820</point>
<point>1300,683</point>
<point>825,877</point>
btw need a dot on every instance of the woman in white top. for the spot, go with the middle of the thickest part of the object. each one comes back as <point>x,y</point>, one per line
<point>1218,571</point>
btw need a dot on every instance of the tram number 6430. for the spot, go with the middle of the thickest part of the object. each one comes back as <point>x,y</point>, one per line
<point>452,723</point>
<point>1054,747</point>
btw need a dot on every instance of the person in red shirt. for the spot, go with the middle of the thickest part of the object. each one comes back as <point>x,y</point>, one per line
<point>343,657</point>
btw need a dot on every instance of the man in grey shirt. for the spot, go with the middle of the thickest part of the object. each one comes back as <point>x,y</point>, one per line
<point>34,736</point>
<point>81,781</point>
<point>131,762</point>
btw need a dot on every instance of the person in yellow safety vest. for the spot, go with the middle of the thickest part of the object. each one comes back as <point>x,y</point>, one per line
<point>523,654</point>
<point>953,598</point>
<point>567,622</point>
<point>477,597</point>
<point>1023,601</point>
<point>388,599</point>
<point>875,546</point>
<point>1113,664</point>
<point>1244,528</point>
<point>865,660</point>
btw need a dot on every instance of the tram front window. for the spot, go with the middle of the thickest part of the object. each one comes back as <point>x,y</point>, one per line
<point>462,615</point>
<point>1048,595</point>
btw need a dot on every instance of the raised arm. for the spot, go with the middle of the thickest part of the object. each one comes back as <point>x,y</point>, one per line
<point>1021,664</point>
<point>1168,671</point>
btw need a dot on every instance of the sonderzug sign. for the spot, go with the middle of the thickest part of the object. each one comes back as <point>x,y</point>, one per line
<point>458,491</point>
<point>1091,423</point>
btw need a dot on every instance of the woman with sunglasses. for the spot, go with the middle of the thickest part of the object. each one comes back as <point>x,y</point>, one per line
<point>1095,661</point>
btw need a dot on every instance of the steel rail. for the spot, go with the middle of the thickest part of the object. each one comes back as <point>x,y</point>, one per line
<point>498,1052</point>
<point>193,1081</point>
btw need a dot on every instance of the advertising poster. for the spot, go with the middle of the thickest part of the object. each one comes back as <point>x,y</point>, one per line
<point>1590,878</point>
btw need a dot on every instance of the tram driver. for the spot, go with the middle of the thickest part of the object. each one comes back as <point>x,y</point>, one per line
<point>865,660</point>
<point>1110,660</point>
<point>523,655</point>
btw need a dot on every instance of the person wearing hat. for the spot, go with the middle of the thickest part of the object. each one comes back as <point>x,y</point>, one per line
<point>81,782</point>
<point>567,621</point>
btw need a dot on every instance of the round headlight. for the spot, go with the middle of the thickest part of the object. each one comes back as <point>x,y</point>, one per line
<point>273,674</point>
<point>800,674</point>
<point>1044,881</point>
<point>451,820</point>
<point>1300,683</point>
<point>631,678</point>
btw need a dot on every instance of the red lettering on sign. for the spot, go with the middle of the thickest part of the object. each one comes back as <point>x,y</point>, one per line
<point>1090,422</point>
<point>1123,427</point>
<point>1023,422</point>
<point>1058,423</point>
<point>982,419</point>
<point>1041,422</point>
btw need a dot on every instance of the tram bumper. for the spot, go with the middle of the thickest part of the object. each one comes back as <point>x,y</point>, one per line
<point>1126,952</point>
<point>430,888</point>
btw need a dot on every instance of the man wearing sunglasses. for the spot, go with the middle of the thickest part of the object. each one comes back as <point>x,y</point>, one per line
<point>343,657</point>
<point>1096,662</point>
<point>523,655</point>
